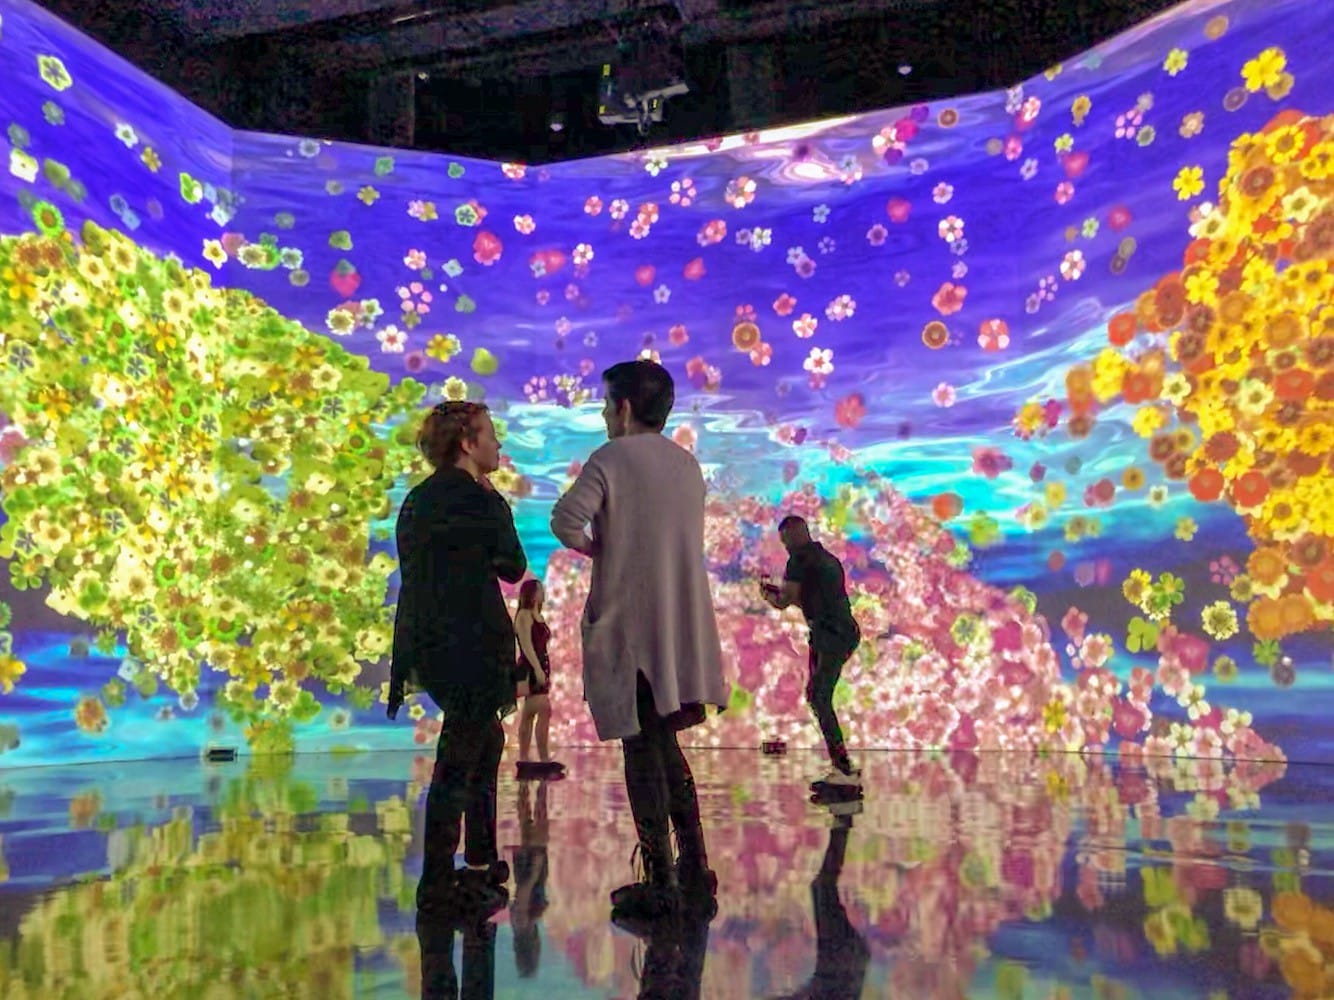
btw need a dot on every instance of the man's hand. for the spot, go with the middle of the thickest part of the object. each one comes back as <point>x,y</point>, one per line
<point>395,699</point>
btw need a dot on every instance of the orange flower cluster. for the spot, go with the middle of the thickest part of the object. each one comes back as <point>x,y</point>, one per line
<point>1304,944</point>
<point>1249,365</point>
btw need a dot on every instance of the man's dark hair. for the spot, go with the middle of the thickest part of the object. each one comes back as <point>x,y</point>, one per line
<point>646,386</point>
<point>791,521</point>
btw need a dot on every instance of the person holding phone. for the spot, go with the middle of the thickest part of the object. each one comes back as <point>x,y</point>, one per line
<point>453,638</point>
<point>815,582</point>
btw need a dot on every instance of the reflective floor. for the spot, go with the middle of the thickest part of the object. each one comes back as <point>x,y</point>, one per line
<point>960,877</point>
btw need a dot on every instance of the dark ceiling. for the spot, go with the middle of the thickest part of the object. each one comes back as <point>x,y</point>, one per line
<point>483,77</point>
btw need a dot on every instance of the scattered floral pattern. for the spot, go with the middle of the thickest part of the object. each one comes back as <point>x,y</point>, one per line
<point>207,486</point>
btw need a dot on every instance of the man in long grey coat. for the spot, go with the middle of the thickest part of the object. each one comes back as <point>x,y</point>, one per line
<point>652,657</point>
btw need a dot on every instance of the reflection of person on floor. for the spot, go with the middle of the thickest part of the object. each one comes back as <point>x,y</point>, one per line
<point>673,966</point>
<point>652,656</point>
<point>841,953</point>
<point>440,980</point>
<point>814,580</point>
<point>453,637</point>
<point>533,677</point>
<point>530,879</point>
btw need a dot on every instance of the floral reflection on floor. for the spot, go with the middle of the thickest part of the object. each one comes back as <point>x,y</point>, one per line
<point>962,876</point>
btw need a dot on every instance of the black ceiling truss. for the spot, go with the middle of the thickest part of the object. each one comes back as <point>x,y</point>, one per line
<point>496,70</point>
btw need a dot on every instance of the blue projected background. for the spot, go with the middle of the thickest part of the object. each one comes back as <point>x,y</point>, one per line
<point>1052,369</point>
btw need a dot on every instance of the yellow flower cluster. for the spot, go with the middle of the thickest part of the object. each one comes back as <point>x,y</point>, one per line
<point>198,477</point>
<point>308,893</point>
<point>1250,328</point>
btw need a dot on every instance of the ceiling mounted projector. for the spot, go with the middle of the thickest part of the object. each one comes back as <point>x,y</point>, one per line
<point>649,68</point>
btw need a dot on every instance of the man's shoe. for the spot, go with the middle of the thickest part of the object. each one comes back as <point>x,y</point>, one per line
<point>839,779</point>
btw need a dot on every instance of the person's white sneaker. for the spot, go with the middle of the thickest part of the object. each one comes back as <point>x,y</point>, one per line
<point>837,779</point>
<point>841,813</point>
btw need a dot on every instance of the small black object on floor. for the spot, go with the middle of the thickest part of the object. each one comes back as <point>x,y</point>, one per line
<point>535,769</point>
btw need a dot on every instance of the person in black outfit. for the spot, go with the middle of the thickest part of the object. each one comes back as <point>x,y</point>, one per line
<point>440,977</point>
<point>454,639</point>
<point>814,580</point>
<point>841,953</point>
<point>673,963</point>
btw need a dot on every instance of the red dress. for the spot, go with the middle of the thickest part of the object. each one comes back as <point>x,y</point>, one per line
<point>541,633</point>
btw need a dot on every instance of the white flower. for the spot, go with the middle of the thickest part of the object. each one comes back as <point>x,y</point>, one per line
<point>22,166</point>
<point>820,361</point>
<point>392,340</point>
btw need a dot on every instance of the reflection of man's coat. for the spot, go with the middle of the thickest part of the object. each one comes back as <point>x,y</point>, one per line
<point>452,633</point>
<point>650,609</point>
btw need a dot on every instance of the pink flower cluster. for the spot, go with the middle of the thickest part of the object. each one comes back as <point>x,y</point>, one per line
<point>948,661</point>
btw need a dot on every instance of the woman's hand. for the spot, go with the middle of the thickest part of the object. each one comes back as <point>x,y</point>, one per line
<point>541,676</point>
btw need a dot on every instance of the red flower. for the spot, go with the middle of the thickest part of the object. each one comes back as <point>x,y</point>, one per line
<point>1191,650</point>
<point>1320,581</point>
<point>1075,164</point>
<point>993,335</point>
<point>1119,218</point>
<point>486,248</point>
<point>1207,485</point>
<point>1294,385</point>
<point>898,209</point>
<point>1250,489</point>
<point>850,410</point>
<point>949,298</point>
<point>1137,386</point>
<point>1121,330</point>
<point>784,304</point>
<point>1127,719</point>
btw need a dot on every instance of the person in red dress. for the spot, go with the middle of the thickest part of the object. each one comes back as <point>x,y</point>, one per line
<point>533,677</point>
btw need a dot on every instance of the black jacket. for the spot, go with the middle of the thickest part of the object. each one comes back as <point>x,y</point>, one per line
<point>453,636</point>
